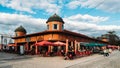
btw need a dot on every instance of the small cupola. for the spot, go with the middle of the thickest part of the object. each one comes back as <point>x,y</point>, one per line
<point>20,31</point>
<point>55,22</point>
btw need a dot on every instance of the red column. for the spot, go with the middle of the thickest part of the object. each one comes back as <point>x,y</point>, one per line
<point>36,49</point>
<point>15,47</point>
<point>75,46</point>
<point>49,48</point>
<point>26,46</point>
<point>66,45</point>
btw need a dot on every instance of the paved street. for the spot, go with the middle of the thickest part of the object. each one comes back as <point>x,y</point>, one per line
<point>94,61</point>
<point>101,62</point>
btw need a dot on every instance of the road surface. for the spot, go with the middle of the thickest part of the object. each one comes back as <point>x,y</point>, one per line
<point>95,61</point>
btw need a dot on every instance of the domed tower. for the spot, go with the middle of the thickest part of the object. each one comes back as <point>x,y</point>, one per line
<point>20,31</point>
<point>105,38</point>
<point>55,23</point>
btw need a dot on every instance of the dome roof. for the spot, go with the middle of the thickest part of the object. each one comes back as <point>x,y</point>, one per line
<point>20,29</point>
<point>104,36</point>
<point>55,17</point>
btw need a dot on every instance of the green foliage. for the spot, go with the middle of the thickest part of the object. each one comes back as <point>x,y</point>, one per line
<point>113,38</point>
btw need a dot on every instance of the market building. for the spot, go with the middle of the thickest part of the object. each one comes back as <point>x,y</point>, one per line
<point>55,33</point>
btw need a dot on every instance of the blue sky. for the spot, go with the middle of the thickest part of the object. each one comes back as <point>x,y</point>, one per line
<point>89,17</point>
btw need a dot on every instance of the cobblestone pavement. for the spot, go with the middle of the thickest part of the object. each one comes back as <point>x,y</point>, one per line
<point>94,61</point>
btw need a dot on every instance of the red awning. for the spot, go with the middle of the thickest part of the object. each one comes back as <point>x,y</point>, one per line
<point>112,46</point>
<point>12,44</point>
<point>58,43</point>
<point>43,43</point>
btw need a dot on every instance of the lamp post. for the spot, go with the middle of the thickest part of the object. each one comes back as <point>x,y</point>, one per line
<point>1,42</point>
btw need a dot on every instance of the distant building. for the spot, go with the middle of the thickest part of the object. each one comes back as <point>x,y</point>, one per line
<point>4,41</point>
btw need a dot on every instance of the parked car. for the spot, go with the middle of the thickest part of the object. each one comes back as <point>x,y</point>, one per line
<point>96,51</point>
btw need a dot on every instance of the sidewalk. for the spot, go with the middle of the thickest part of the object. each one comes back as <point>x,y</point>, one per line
<point>10,56</point>
<point>41,62</point>
<point>52,62</point>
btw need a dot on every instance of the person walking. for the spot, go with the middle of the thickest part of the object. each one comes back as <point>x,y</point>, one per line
<point>119,48</point>
<point>106,52</point>
<point>110,50</point>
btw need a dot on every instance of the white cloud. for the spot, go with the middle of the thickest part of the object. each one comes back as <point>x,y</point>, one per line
<point>92,29</point>
<point>73,4</point>
<point>88,18</point>
<point>109,27</point>
<point>55,6</point>
<point>29,5</point>
<point>106,5</point>
<point>19,5</point>
<point>48,5</point>
<point>9,22</point>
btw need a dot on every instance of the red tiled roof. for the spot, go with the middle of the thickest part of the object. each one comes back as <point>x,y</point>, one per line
<point>67,32</point>
<point>47,32</point>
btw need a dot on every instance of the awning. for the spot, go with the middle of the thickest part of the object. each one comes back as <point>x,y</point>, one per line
<point>94,44</point>
<point>58,43</point>
<point>43,43</point>
<point>112,46</point>
<point>12,44</point>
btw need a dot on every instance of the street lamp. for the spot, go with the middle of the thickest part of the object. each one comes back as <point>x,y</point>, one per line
<point>1,42</point>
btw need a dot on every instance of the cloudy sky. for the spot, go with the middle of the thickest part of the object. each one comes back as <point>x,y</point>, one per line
<point>89,17</point>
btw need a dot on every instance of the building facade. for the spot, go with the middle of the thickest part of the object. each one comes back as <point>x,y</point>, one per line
<point>55,32</point>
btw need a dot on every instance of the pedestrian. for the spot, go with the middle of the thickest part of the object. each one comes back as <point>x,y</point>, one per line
<point>110,50</point>
<point>66,56</point>
<point>119,48</point>
<point>62,53</point>
<point>106,52</point>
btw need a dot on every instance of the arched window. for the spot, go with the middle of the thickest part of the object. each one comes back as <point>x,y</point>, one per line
<point>55,26</point>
